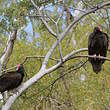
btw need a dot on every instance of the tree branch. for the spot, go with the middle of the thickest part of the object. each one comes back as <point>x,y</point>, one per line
<point>38,57</point>
<point>4,58</point>
<point>57,31</point>
<point>43,20</point>
<point>59,44</point>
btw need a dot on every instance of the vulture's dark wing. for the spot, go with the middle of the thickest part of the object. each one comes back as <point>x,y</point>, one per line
<point>105,44</point>
<point>106,41</point>
<point>9,81</point>
<point>90,43</point>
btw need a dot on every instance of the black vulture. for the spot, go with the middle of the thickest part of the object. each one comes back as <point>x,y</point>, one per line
<point>12,79</point>
<point>98,43</point>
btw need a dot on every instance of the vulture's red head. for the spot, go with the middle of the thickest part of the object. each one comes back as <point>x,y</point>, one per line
<point>19,66</point>
<point>20,69</point>
<point>97,29</point>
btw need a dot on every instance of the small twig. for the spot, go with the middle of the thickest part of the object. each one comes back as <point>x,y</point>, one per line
<point>39,57</point>
<point>30,57</point>
<point>58,38</point>
<point>60,17</point>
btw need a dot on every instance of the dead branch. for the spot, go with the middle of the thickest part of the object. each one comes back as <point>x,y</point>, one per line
<point>30,57</point>
<point>43,20</point>
<point>4,58</point>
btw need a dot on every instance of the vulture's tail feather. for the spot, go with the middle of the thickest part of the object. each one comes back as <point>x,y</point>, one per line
<point>97,68</point>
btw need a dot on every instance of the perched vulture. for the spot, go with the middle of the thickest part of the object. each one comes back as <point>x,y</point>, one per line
<point>97,46</point>
<point>11,79</point>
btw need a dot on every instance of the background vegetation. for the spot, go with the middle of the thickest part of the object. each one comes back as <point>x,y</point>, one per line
<point>79,89</point>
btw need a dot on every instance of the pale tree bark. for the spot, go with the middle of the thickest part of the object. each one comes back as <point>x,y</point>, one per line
<point>43,71</point>
<point>8,49</point>
<point>43,20</point>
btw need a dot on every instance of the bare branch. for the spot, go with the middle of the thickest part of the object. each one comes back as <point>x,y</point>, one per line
<point>30,57</point>
<point>58,36</point>
<point>59,44</point>
<point>69,57</point>
<point>43,20</point>
<point>48,55</point>
<point>8,49</point>
<point>38,57</point>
